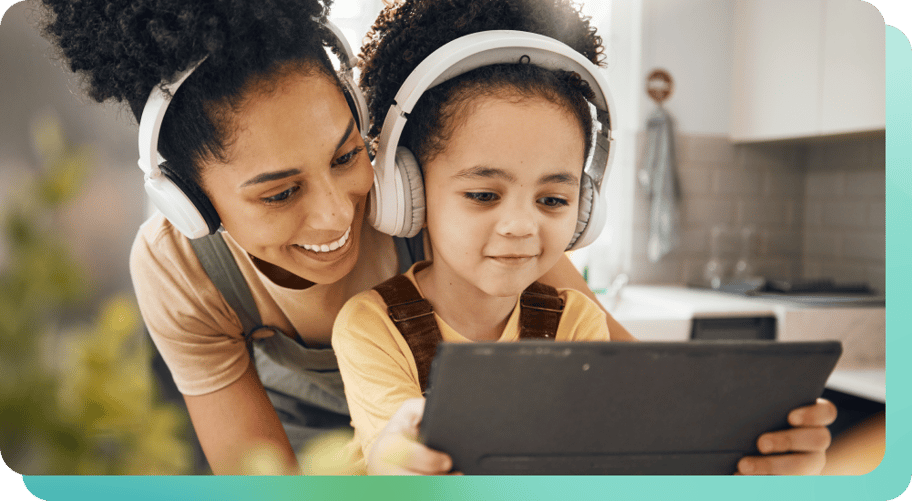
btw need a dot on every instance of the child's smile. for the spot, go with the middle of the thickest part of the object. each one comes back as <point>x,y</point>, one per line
<point>502,196</point>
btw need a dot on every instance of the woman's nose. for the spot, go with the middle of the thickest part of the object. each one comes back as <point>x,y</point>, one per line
<point>328,207</point>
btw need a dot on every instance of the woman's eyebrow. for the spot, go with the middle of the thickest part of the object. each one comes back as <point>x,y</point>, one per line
<point>280,174</point>
<point>348,131</point>
<point>270,176</point>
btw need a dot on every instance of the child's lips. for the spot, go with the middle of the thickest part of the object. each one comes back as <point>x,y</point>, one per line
<point>513,259</point>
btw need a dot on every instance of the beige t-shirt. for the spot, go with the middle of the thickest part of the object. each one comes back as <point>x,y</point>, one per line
<point>378,368</point>
<point>199,335</point>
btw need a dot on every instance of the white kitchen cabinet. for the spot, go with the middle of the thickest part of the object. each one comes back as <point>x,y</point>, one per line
<point>853,93</point>
<point>807,68</point>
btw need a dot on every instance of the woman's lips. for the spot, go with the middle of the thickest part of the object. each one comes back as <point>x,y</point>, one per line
<point>333,250</point>
<point>331,246</point>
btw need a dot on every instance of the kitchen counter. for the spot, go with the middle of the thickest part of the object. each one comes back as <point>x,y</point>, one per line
<point>870,384</point>
<point>666,313</point>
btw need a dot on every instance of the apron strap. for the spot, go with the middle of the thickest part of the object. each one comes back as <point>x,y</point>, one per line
<point>220,266</point>
<point>303,384</point>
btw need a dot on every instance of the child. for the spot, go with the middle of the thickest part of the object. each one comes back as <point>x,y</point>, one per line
<point>501,150</point>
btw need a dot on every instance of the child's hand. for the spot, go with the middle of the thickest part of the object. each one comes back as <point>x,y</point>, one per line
<point>797,451</point>
<point>397,451</point>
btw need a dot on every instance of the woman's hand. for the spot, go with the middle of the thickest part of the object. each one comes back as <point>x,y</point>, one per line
<point>396,450</point>
<point>796,451</point>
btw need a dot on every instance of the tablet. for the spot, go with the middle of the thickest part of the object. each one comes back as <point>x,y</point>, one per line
<point>603,408</point>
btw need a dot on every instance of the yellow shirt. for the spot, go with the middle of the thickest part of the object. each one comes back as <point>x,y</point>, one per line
<point>378,368</point>
<point>199,335</point>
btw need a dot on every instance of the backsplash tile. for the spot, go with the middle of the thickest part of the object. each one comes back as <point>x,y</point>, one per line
<point>844,214</point>
<point>853,215</point>
<point>817,207</point>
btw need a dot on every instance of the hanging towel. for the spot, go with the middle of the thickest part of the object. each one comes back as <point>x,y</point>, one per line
<point>658,178</point>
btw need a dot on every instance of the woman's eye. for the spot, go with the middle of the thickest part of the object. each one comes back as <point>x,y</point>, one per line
<point>348,157</point>
<point>281,197</point>
<point>484,197</point>
<point>553,202</point>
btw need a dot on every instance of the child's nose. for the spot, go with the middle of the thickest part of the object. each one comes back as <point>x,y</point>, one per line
<point>517,224</point>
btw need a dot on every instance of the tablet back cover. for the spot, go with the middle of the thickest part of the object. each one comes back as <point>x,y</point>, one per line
<point>547,408</point>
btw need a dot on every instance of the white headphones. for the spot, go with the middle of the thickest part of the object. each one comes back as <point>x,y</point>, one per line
<point>186,208</point>
<point>397,204</point>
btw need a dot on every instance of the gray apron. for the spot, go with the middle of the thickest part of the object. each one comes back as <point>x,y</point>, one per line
<point>303,383</point>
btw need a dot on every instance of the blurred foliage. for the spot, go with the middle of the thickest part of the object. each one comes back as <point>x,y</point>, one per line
<point>74,399</point>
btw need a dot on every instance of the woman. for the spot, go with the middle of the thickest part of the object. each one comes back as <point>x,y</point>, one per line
<point>263,136</point>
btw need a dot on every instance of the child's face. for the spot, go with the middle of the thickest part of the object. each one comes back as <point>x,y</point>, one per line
<point>502,196</point>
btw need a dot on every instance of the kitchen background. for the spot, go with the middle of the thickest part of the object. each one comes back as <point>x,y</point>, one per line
<point>763,140</point>
<point>818,208</point>
<point>750,150</point>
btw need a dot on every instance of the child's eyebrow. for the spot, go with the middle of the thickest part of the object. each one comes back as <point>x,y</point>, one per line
<point>493,172</point>
<point>484,172</point>
<point>564,178</point>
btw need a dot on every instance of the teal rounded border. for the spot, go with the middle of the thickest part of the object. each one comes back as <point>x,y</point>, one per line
<point>888,481</point>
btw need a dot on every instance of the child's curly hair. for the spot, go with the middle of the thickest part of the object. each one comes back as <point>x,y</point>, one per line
<point>405,33</point>
<point>123,48</point>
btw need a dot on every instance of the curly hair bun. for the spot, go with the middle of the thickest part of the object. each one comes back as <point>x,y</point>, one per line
<point>125,47</point>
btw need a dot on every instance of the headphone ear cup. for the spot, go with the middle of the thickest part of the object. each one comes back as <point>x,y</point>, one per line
<point>183,204</point>
<point>591,216</point>
<point>412,199</point>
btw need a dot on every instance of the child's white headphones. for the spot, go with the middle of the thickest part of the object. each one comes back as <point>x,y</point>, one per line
<point>189,210</point>
<point>397,204</point>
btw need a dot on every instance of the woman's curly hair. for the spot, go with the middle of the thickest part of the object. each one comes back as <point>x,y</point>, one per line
<point>122,48</point>
<point>407,32</point>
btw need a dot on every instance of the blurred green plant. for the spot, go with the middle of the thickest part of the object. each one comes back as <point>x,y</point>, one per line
<point>75,398</point>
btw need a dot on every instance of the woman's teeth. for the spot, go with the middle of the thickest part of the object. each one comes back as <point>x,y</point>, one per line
<point>330,246</point>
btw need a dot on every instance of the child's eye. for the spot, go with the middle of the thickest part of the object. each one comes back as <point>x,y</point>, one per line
<point>553,202</point>
<point>484,197</point>
<point>348,157</point>
<point>281,197</point>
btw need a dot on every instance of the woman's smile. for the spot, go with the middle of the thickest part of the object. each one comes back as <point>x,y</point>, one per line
<point>331,246</point>
<point>328,252</point>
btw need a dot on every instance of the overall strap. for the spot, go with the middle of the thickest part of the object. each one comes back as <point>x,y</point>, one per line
<point>414,318</point>
<point>539,316</point>
<point>540,312</point>
<point>216,258</point>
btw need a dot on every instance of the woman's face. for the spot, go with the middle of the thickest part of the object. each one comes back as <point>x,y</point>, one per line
<point>293,191</point>
<point>502,196</point>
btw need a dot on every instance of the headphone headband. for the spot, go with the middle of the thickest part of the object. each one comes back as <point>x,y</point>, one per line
<point>151,120</point>
<point>351,60</point>
<point>487,48</point>
<point>474,51</point>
